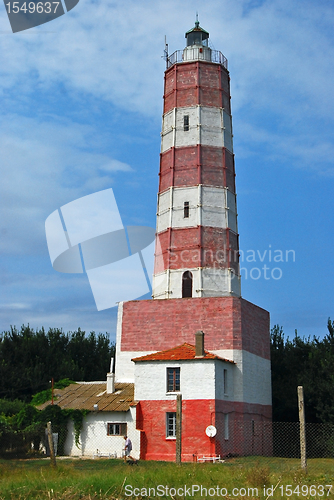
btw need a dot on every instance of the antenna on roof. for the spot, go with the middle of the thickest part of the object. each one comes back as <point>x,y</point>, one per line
<point>197,22</point>
<point>165,56</point>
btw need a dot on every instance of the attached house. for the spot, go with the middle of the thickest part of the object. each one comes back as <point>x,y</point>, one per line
<point>112,415</point>
<point>146,410</point>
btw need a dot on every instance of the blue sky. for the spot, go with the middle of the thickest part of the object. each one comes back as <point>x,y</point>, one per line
<point>80,111</point>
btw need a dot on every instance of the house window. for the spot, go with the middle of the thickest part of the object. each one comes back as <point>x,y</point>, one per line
<point>187,284</point>
<point>226,430</point>
<point>225,382</point>
<point>173,379</point>
<point>186,209</point>
<point>186,123</point>
<point>118,429</point>
<point>170,424</point>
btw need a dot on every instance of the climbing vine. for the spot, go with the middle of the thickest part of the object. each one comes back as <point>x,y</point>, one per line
<point>28,426</point>
<point>77,417</point>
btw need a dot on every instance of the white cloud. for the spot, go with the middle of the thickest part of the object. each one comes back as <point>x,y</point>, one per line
<point>45,164</point>
<point>52,300</point>
<point>113,50</point>
<point>280,54</point>
<point>301,150</point>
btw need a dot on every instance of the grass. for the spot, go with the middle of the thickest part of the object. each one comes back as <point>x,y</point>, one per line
<point>111,479</point>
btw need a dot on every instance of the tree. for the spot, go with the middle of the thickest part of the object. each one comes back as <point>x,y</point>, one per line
<point>303,362</point>
<point>30,359</point>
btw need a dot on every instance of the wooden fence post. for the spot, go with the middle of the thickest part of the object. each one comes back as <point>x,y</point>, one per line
<point>178,428</point>
<point>52,450</point>
<point>302,428</point>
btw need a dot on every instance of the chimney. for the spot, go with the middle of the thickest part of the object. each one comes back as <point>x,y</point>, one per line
<point>111,378</point>
<point>199,344</point>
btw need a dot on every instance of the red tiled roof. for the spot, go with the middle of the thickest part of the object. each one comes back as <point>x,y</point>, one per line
<point>182,352</point>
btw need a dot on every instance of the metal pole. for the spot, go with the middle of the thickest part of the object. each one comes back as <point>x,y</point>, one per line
<point>178,428</point>
<point>302,427</point>
<point>52,450</point>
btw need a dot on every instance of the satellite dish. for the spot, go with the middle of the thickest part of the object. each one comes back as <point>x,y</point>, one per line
<point>211,431</point>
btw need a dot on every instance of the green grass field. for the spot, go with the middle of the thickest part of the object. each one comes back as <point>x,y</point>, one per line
<point>111,479</point>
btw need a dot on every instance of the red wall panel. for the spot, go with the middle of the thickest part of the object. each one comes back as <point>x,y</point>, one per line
<point>193,165</point>
<point>199,82</point>
<point>244,437</point>
<point>211,247</point>
<point>228,322</point>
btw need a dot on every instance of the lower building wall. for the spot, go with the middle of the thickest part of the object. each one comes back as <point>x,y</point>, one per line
<point>94,435</point>
<point>243,429</point>
<point>243,432</point>
<point>155,444</point>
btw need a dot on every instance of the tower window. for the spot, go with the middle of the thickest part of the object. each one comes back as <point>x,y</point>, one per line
<point>186,123</point>
<point>170,424</point>
<point>225,382</point>
<point>187,284</point>
<point>173,379</point>
<point>186,209</point>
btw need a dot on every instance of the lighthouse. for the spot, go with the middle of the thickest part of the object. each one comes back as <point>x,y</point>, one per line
<point>197,249</point>
<point>197,343</point>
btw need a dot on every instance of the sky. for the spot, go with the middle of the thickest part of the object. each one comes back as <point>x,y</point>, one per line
<point>80,112</point>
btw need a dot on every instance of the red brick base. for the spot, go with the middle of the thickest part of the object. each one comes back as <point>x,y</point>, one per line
<point>228,323</point>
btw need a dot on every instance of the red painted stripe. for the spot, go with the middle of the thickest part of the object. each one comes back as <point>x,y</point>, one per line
<point>196,82</point>
<point>199,246</point>
<point>193,165</point>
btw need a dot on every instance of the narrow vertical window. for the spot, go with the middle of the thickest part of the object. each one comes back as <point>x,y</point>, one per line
<point>186,209</point>
<point>225,382</point>
<point>226,429</point>
<point>171,424</point>
<point>186,123</point>
<point>173,379</point>
<point>187,284</point>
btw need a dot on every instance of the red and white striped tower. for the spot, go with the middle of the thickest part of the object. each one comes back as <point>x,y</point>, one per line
<point>197,250</point>
<point>197,255</point>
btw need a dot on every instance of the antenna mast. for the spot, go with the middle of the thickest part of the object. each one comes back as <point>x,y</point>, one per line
<point>165,56</point>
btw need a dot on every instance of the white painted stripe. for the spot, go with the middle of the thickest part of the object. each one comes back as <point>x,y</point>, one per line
<point>207,282</point>
<point>207,126</point>
<point>208,207</point>
<point>252,380</point>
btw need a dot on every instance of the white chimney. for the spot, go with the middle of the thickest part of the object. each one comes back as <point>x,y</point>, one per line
<point>111,378</point>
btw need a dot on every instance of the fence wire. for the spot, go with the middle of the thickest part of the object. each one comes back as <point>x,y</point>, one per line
<point>267,439</point>
<point>276,439</point>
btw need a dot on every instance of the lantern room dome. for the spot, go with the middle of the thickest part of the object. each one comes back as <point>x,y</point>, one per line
<point>197,36</point>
